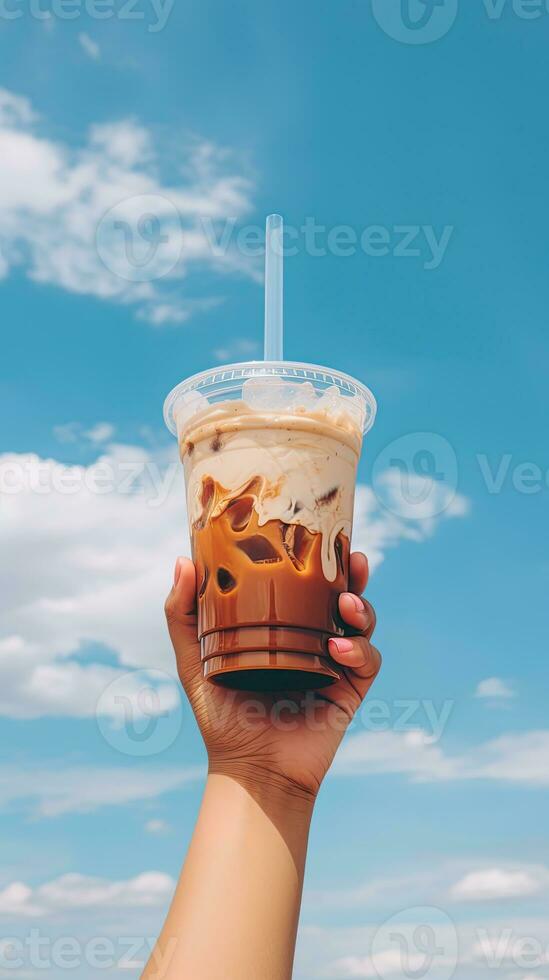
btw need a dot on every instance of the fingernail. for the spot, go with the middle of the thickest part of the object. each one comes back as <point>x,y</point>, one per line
<point>177,572</point>
<point>340,645</point>
<point>356,601</point>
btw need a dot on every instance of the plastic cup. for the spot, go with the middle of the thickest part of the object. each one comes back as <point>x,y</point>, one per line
<point>270,453</point>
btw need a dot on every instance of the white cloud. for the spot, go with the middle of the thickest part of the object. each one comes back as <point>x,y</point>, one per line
<point>73,893</point>
<point>15,109</point>
<point>157,826</point>
<point>90,46</point>
<point>123,142</point>
<point>413,888</point>
<point>447,881</point>
<point>164,313</point>
<point>387,963</point>
<point>411,753</point>
<point>363,966</point>
<point>237,350</point>
<point>101,432</point>
<point>16,899</point>
<point>54,791</point>
<point>8,951</point>
<point>54,199</point>
<point>107,547</point>
<point>495,688</point>
<point>107,536</point>
<point>520,758</point>
<point>496,883</point>
<point>376,529</point>
<point>515,758</point>
<point>502,947</point>
<point>418,497</point>
<point>70,432</point>
<point>522,944</point>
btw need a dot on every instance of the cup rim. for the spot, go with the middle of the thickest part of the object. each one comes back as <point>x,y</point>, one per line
<point>245,369</point>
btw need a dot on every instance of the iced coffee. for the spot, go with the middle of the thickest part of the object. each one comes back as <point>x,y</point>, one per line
<point>270,477</point>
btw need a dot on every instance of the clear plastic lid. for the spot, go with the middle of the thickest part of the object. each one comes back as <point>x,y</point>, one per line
<point>324,389</point>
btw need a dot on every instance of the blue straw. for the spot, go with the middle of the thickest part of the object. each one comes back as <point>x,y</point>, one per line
<point>274,326</point>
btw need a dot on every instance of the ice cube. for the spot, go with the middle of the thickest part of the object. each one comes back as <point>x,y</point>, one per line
<point>340,408</point>
<point>188,404</point>
<point>330,401</point>
<point>305,398</point>
<point>267,393</point>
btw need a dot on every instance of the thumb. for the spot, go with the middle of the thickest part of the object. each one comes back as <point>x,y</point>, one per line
<point>180,609</point>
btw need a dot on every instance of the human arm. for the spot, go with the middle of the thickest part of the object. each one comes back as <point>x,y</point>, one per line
<point>236,907</point>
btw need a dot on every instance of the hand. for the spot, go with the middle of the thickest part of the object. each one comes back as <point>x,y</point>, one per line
<point>285,742</point>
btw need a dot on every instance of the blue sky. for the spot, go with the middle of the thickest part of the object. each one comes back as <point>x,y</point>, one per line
<point>334,115</point>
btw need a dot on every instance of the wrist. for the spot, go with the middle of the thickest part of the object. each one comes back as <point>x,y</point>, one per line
<point>272,790</point>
